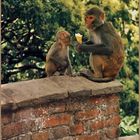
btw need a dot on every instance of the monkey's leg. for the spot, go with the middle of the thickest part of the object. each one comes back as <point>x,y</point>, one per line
<point>69,70</point>
<point>50,68</point>
<point>88,73</point>
<point>96,64</point>
<point>99,65</point>
<point>98,72</point>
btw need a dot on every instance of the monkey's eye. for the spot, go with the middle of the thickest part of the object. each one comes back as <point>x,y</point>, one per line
<point>90,17</point>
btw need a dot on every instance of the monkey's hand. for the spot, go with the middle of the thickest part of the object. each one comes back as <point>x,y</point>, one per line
<point>79,47</point>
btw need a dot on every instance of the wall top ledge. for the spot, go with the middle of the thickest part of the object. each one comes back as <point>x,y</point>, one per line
<point>38,91</point>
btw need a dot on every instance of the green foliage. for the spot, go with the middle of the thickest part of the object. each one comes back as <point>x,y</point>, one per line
<point>129,125</point>
<point>29,28</point>
<point>27,34</point>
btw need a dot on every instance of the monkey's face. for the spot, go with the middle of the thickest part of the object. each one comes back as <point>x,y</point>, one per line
<point>89,19</point>
<point>65,37</point>
<point>67,40</point>
<point>92,22</point>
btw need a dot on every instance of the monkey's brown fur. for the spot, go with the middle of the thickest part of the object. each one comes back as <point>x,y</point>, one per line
<point>57,58</point>
<point>108,66</point>
<point>105,66</point>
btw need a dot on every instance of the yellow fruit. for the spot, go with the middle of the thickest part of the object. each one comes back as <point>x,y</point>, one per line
<point>78,38</point>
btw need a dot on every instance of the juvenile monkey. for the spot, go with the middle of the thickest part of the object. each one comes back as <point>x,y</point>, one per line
<point>107,51</point>
<point>57,59</point>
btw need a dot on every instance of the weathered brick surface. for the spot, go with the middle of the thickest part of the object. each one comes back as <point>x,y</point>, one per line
<point>59,132</point>
<point>7,118</point>
<point>13,129</point>
<point>68,119</point>
<point>72,106</point>
<point>40,136</point>
<point>77,129</point>
<point>74,117</point>
<point>24,114</point>
<point>41,111</point>
<point>55,120</point>
<point>98,100</point>
<point>112,132</point>
<point>17,128</point>
<point>56,108</point>
<point>86,115</point>
<point>96,125</point>
<point>90,137</point>
<point>78,119</point>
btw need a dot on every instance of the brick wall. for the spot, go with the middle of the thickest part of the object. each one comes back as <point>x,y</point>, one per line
<point>85,111</point>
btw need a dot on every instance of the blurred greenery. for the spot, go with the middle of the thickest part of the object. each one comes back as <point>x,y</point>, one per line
<point>28,30</point>
<point>128,124</point>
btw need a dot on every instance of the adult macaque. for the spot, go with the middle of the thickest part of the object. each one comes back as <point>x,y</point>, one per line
<point>106,51</point>
<point>57,59</point>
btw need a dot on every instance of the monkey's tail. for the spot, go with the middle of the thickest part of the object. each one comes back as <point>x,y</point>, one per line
<point>107,79</point>
<point>88,75</point>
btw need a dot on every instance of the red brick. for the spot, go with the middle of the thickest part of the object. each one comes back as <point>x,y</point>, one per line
<point>17,128</point>
<point>113,99</point>
<point>87,114</point>
<point>112,132</point>
<point>56,108</point>
<point>24,114</point>
<point>40,136</point>
<point>112,121</point>
<point>96,125</point>
<point>74,106</point>
<point>59,132</point>
<point>41,111</point>
<point>113,109</point>
<point>90,137</point>
<point>97,100</point>
<point>107,122</point>
<point>30,125</point>
<point>24,137</point>
<point>77,129</point>
<point>110,109</point>
<point>13,129</point>
<point>6,118</point>
<point>55,120</point>
<point>116,120</point>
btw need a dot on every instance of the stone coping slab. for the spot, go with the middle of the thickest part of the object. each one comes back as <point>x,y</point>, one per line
<point>38,91</point>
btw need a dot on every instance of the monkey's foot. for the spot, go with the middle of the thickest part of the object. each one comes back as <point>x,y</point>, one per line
<point>56,73</point>
<point>86,73</point>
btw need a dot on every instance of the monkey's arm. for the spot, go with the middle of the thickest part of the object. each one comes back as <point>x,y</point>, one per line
<point>99,49</point>
<point>88,42</point>
<point>69,69</point>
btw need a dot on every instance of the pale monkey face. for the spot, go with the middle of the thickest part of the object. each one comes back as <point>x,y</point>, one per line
<point>89,20</point>
<point>64,37</point>
<point>67,40</point>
